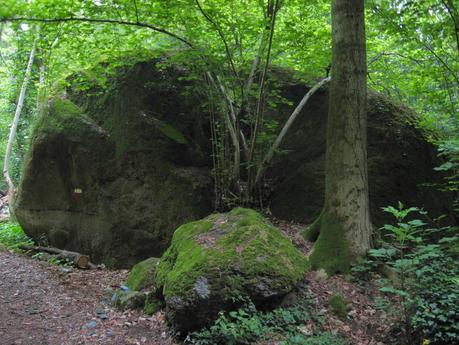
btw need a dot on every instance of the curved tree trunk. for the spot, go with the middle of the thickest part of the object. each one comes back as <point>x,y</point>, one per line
<point>344,223</point>
<point>285,129</point>
<point>9,147</point>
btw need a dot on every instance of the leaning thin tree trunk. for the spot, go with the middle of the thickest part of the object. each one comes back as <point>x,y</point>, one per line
<point>9,147</point>
<point>286,127</point>
<point>345,227</point>
<point>41,87</point>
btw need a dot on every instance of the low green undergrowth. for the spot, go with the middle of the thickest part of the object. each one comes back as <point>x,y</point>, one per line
<point>318,339</point>
<point>52,259</point>
<point>423,275</point>
<point>12,236</point>
<point>248,325</point>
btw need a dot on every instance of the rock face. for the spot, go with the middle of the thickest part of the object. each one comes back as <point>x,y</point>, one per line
<point>114,179</point>
<point>140,289</point>
<point>142,275</point>
<point>116,175</point>
<point>213,263</point>
<point>400,161</point>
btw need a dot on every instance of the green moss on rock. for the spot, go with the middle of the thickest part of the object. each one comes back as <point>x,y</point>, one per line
<point>215,261</point>
<point>124,300</point>
<point>152,304</point>
<point>142,275</point>
<point>62,116</point>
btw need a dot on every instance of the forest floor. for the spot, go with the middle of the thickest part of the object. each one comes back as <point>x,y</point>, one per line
<point>45,304</point>
<point>42,303</point>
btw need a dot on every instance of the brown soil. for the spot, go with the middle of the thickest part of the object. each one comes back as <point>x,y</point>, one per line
<point>365,323</point>
<point>43,304</point>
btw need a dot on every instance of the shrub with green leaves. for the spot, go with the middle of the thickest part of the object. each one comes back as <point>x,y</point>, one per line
<point>426,276</point>
<point>247,325</point>
<point>12,236</point>
<point>436,299</point>
<point>450,151</point>
<point>339,306</point>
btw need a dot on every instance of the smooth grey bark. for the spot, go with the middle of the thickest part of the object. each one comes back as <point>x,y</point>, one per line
<point>41,87</point>
<point>14,125</point>
<point>345,227</point>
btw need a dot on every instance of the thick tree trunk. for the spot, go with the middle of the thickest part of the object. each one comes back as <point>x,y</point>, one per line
<point>345,227</point>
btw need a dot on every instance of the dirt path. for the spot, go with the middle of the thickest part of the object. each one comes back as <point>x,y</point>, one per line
<point>43,304</point>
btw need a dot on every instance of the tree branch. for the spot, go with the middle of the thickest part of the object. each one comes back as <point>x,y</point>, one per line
<point>229,123</point>
<point>102,21</point>
<point>445,65</point>
<point>287,126</point>
<point>255,64</point>
<point>453,14</point>
<point>222,36</point>
<point>136,11</point>
<point>381,54</point>
<point>262,81</point>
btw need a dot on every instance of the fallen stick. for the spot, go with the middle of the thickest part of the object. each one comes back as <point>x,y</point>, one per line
<point>78,260</point>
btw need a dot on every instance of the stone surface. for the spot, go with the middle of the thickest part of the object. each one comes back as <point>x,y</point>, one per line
<point>142,275</point>
<point>215,263</point>
<point>114,177</point>
<point>400,160</point>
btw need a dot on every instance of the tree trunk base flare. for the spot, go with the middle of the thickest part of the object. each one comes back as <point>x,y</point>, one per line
<point>335,248</point>
<point>77,259</point>
<point>311,232</point>
<point>331,251</point>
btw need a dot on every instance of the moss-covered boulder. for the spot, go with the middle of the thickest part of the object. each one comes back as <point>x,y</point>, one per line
<point>142,275</point>
<point>401,160</point>
<point>124,300</point>
<point>214,263</point>
<point>113,171</point>
<point>140,289</point>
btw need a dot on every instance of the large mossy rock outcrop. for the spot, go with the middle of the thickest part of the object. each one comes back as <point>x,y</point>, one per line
<point>401,161</point>
<point>114,176</point>
<point>214,263</point>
